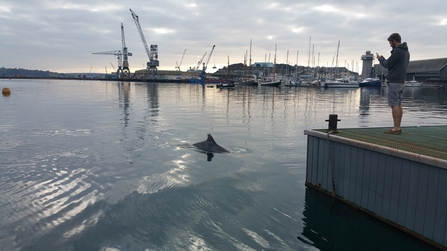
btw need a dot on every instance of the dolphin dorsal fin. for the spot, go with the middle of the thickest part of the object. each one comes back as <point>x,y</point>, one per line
<point>210,138</point>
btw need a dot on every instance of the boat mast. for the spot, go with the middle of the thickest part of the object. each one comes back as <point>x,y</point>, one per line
<point>249,69</point>
<point>274,65</point>
<point>336,60</point>
<point>296,68</point>
<point>308,60</point>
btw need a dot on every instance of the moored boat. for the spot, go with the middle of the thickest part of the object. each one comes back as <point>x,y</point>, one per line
<point>293,83</point>
<point>203,81</point>
<point>370,82</point>
<point>248,83</point>
<point>226,84</point>
<point>342,83</point>
<point>270,82</point>
<point>413,83</point>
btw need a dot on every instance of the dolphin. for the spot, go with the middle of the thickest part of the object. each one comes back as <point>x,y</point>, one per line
<point>209,145</point>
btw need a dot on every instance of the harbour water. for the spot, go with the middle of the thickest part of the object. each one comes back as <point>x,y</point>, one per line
<point>90,165</point>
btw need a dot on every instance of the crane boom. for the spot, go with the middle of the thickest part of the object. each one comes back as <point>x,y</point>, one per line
<point>208,60</point>
<point>178,66</point>
<point>116,53</point>
<point>200,62</point>
<point>125,53</point>
<point>152,54</point>
<point>140,31</point>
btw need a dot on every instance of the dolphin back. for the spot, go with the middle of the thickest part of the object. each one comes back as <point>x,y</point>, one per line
<point>210,145</point>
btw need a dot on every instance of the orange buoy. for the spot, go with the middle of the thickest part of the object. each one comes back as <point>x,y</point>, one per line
<point>6,91</point>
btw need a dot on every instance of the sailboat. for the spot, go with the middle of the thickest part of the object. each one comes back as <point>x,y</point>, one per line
<point>228,83</point>
<point>271,81</point>
<point>340,82</point>
<point>248,80</point>
<point>413,83</point>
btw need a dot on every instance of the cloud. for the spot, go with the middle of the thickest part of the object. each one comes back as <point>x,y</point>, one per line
<point>61,35</point>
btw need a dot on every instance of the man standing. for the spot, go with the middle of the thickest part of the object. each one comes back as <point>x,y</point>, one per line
<point>397,65</point>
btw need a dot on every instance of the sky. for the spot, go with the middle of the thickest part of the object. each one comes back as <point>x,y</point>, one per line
<point>61,35</point>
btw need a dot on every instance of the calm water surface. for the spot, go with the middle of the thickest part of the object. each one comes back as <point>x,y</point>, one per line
<point>89,165</point>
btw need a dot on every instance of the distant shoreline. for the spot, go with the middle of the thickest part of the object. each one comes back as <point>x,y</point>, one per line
<point>103,79</point>
<point>160,80</point>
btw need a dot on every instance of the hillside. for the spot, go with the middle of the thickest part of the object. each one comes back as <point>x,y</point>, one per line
<point>19,72</point>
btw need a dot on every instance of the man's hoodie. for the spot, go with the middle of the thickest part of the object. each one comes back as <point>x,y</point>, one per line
<point>397,63</point>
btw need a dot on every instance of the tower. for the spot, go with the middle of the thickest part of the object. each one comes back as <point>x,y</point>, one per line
<point>367,64</point>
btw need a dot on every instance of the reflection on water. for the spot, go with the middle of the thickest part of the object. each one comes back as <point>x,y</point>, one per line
<point>86,165</point>
<point>330,224</point>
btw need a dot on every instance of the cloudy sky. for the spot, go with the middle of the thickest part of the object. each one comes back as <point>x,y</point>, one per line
<point>62,35</point>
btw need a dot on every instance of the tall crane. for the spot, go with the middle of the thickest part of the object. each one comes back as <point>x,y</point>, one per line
<point>200,62</point>
<point>126,69</point>
<point>178,65</point>
<point>205,65</point>
<point>123,65</point>
<point>152,53</point>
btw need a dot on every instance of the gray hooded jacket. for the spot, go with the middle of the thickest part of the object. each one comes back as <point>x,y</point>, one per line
<point>397,63</point>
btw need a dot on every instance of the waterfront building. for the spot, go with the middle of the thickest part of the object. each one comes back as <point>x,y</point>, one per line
<point>428,70</point>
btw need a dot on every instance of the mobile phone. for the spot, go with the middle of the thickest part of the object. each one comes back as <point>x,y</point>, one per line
<point>377,54</point>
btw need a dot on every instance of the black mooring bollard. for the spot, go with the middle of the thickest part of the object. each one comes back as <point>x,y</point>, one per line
<point>333,118</point>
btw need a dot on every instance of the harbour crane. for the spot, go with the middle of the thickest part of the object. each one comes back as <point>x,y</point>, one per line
<point>200,62</point>
<point>123,65</point>
<point>178,65</point>
<point>126,69</point>
<point>152,53</point>
<point>205,65</point>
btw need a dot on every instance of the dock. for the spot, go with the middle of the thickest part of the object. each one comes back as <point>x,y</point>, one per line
<point>399,179</point>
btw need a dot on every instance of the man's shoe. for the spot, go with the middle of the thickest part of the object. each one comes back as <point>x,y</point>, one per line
<point>390,131</point>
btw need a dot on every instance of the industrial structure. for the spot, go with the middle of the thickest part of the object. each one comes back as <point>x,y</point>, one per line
<point>177,66</point>
<point>205,65</point>
<point>122,56</point>
<point>367,70</point>
<point>152,54</point>
<point>126,70</point>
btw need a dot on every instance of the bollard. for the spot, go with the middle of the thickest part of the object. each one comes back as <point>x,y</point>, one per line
<point>332,125</point>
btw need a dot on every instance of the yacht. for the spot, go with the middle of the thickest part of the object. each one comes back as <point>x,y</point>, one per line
<point>413,83</point>
<point>342,83</point>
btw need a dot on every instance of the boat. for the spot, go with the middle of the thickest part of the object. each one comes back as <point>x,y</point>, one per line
<point>413,83</point>
<point>226,84</point>
<point>313,83</point>
<point>342,83</point>
<point>370,82</point>
<point>293,83</point>
<point>266,80</point>
<point>248,81</point>
<point>270,82</point>
<point>203,80</point>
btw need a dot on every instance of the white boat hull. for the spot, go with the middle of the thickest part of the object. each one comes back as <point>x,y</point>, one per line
<point>342,83</point>
<point>413,84</point>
